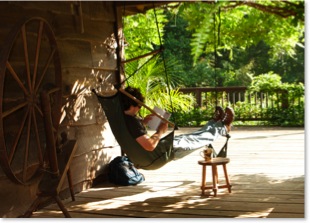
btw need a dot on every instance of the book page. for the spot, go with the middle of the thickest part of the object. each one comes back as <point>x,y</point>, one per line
<point>155,121</point>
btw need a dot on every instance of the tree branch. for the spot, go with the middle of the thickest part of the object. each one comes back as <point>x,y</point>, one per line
<point>285,11</point>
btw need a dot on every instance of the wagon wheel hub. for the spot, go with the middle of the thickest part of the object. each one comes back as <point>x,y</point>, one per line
<point>32,100</point>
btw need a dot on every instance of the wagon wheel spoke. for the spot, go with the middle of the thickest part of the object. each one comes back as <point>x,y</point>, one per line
<point>37,137</point>
<point>25,45</point>
<point>45,69</point>
<point>22,78</point>
<point>12,152</point>
<point>15,76</point>
<point>35,70</point>
<point>26,155</point>
<point>12,110</point>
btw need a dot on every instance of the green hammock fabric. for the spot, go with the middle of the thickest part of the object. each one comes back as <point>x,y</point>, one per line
<point>143,159</point>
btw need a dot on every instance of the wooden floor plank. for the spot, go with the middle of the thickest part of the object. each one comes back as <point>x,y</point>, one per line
<point>266,169</point>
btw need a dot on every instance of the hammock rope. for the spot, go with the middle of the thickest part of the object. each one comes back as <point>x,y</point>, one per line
<point>114,111</point>
<point>165,68</point>
<point>154,53</point>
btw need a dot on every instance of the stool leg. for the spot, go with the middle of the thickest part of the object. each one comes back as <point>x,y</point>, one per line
<point>62,206</point>
<point>214,179</point>
<point>227,178</point>
<point>216,175</point>
<point>32,208</point>
<point>70,184</point>
<point>203,184</point>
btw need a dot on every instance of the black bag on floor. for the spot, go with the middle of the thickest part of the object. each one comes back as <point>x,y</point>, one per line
<point>123,172</point>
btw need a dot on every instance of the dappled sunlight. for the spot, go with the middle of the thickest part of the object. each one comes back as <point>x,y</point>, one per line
<point>177,198</point>
<point>276,181</point>
<point>160,185</point>
<point>53,213</point>
<point>101,205</point>
<point>78,106</point>
<point>124,201</point>
<point>103,189</point>
<point>83,119</point>
<point>259,214</point>
<point>192,202</point>
<point>75,108</point>
<point>263,186</point>
<point>104,83</point>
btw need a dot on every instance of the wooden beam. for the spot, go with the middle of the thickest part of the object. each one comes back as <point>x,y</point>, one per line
<point>142,56</point>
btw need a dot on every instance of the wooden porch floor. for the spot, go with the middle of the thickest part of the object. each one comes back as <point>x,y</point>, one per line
<point>266,169</point>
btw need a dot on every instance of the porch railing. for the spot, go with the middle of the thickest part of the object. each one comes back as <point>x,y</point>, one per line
<point>248,106</point>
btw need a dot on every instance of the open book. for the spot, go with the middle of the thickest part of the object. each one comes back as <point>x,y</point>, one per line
<point>155,121</point>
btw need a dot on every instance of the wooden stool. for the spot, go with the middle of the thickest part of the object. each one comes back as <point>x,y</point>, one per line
<point>214,163</point>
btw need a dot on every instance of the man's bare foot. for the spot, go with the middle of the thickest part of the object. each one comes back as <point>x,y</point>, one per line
<point>219,114</point>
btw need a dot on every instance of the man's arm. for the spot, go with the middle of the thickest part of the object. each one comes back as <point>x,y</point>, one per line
<point>150,143</point>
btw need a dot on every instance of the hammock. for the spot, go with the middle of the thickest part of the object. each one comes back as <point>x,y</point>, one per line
<point>148,160</point>
<point>163,153</point>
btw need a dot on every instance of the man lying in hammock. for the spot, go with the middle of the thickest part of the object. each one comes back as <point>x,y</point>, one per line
<point>220,124</point>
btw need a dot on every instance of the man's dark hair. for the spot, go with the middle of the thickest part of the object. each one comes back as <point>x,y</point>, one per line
<point>127,102</point>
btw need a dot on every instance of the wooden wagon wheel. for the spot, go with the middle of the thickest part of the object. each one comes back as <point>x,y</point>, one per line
<point>29,60</point>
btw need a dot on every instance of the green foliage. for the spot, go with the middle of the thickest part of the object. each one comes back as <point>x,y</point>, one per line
<point>141,32</point>
<point>296,90</point>
<point>202,75</point>
<point>229,24</point>
<point>293,116</point>
<point>177,42</point>
<point>194,117</point>
<point>201,22</point>
<point>265,82</point>
<point>282,104</point>
<point>230,43</point>
<point>157,79</point>
<point>272,82</point>
<point>290,68</point>
<point>159,91</point>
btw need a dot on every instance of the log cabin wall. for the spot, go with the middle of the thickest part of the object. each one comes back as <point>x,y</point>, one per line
<point>84,34</point>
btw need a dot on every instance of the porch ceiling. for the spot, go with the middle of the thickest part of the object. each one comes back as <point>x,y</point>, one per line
<point>135,7</point>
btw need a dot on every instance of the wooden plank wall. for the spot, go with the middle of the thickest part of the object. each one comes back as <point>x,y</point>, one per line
<point>87,54</point>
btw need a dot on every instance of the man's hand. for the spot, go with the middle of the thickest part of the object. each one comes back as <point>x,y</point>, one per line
<point>162,128</point>
<point>147,118</point>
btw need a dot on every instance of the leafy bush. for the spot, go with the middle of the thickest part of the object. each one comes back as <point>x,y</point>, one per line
<point>283,104</point>
<point>194,117</point>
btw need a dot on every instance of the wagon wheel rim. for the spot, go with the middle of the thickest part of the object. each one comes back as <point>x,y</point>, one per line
<point>22,135</point>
